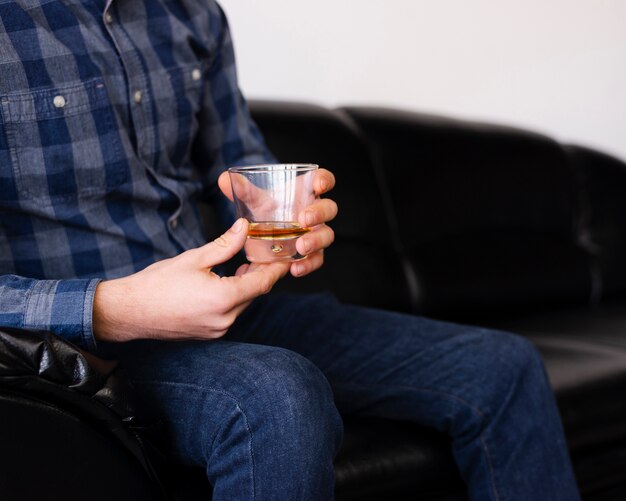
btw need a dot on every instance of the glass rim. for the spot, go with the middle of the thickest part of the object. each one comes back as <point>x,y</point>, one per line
<point>260,168</point>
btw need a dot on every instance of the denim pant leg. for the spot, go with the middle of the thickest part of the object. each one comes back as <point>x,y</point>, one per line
<point>487,389</point>
<point>260,420</point>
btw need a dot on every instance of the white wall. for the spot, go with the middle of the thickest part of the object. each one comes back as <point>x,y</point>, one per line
<point>555,66</point>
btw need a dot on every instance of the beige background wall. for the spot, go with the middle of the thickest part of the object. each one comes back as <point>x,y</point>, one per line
<point>555,66</point>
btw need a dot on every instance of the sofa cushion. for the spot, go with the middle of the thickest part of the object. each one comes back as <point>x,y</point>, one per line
<point>382,459</point>
<point>585,354</point>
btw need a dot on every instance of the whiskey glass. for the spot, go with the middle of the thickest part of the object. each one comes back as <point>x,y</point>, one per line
<point>272,198</point>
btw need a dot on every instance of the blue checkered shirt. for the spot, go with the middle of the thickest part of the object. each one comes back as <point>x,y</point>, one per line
<point>116,117</point>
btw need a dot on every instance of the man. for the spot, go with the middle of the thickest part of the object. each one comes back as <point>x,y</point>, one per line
<point>116,118</point>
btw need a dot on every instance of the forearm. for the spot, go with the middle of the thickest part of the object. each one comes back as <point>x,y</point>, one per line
<point>63,307</point>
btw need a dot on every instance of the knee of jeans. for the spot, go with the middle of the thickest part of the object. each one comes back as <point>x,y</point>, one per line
<point>512,363</point>
<point>518,353</point>
<point>292,395</point>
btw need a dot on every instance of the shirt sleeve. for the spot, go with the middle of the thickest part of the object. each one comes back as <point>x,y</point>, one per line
<point>228,136</point>
<point>50,305</point>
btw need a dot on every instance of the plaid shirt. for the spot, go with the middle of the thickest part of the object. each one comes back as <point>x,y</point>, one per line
<point>114,119</point>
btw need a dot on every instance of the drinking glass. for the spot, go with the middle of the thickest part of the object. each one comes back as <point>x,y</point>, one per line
<point>271,197</point>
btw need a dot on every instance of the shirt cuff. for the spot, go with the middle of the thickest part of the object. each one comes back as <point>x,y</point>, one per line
<point>64,307</point>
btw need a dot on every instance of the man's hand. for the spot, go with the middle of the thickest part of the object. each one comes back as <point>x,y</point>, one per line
<point>181,298</point>
<point>315,217</point>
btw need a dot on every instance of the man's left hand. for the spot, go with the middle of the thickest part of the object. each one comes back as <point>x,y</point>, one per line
<point>315,217</point>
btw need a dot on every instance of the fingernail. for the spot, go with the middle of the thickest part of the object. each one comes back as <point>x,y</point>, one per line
<point>298,269</point>
<point>306,245</point>
<point>238,226</point>
<point>309,218</point>
<point>324,184</point>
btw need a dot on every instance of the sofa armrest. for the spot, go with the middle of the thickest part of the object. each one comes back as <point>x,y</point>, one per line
<point>41,374</point>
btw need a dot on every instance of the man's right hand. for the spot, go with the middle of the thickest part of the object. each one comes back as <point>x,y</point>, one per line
<point>181,298</point>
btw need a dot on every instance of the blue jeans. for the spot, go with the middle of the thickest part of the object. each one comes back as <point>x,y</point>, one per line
<point>260,409</point>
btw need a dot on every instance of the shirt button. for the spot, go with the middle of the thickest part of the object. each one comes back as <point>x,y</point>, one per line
<point>108,18</point>
<point>196,74</point>
<point>173,223</point>
<point>58,101</point>
<point>138,96</point>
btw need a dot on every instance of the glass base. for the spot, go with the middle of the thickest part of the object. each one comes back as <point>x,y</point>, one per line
<point>270,250</point>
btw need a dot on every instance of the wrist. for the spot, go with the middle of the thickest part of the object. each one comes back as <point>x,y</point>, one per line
<point>111,314</point>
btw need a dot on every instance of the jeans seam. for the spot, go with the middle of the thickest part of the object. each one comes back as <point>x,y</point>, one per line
<point>492,475</point>
<point>237,405</point>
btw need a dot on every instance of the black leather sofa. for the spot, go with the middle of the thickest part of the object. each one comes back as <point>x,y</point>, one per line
<point>456,220</point>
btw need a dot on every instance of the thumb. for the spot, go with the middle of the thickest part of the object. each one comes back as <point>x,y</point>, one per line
<point>225,246</point>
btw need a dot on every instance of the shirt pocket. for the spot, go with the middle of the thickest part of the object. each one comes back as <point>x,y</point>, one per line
<point>64,142</point>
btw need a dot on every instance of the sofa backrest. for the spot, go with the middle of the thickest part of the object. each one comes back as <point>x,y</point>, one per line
<point>487,213</point>
<point>602,217</point>
<point>455,219</point>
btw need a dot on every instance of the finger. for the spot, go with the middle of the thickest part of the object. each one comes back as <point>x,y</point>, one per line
<point>255,266</point>
<point>225,186</point>
<point>260,281</point>
<point>223,247</point>
<point>308,265</point>
<point>318,239</point>
<point>242,270</point>
<point>324,181</point>
<point>247,192</point>
<point>249,268</point>
<point>319,212</point>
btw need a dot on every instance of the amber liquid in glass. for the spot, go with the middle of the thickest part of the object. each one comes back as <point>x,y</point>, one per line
<point>273,240</point>
<point>274,230</point>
